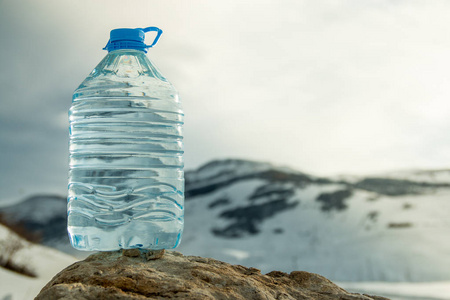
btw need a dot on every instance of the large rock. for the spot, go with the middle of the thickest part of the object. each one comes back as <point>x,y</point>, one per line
<point>136,275</point>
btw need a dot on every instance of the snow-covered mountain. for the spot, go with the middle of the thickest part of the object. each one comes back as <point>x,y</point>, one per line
<point>28,266</point>
<point>363,229</point>
<point>42,216</point>
<point>391,227</point>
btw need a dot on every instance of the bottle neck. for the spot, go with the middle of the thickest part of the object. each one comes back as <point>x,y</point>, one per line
<point>127,52</point>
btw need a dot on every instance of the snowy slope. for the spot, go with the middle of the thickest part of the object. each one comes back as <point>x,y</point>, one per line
<point>402,290</point>
<point>44,262</point>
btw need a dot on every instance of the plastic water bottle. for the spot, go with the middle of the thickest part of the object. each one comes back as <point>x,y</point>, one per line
<point>126,180</point>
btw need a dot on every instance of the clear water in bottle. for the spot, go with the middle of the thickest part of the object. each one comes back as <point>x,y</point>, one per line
<point>126,182</point>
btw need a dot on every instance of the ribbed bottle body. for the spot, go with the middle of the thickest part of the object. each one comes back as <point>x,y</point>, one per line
<point>126,183</point>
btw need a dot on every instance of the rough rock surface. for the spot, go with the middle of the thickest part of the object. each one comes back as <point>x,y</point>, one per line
<point>133,275</point>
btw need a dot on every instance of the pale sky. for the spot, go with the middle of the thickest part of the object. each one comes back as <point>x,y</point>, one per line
<point>325,87</point>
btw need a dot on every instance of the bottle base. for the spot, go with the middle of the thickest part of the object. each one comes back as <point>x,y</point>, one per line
<point>94,239</point>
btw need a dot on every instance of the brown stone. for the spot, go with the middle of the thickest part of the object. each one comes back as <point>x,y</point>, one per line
<point>131,252</point>
<point>154,254</point>
<point>113,276</point>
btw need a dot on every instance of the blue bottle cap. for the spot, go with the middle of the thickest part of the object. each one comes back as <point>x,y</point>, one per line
<point>129,38</point>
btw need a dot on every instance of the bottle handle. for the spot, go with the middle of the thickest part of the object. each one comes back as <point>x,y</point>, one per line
<point>158,34</point>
